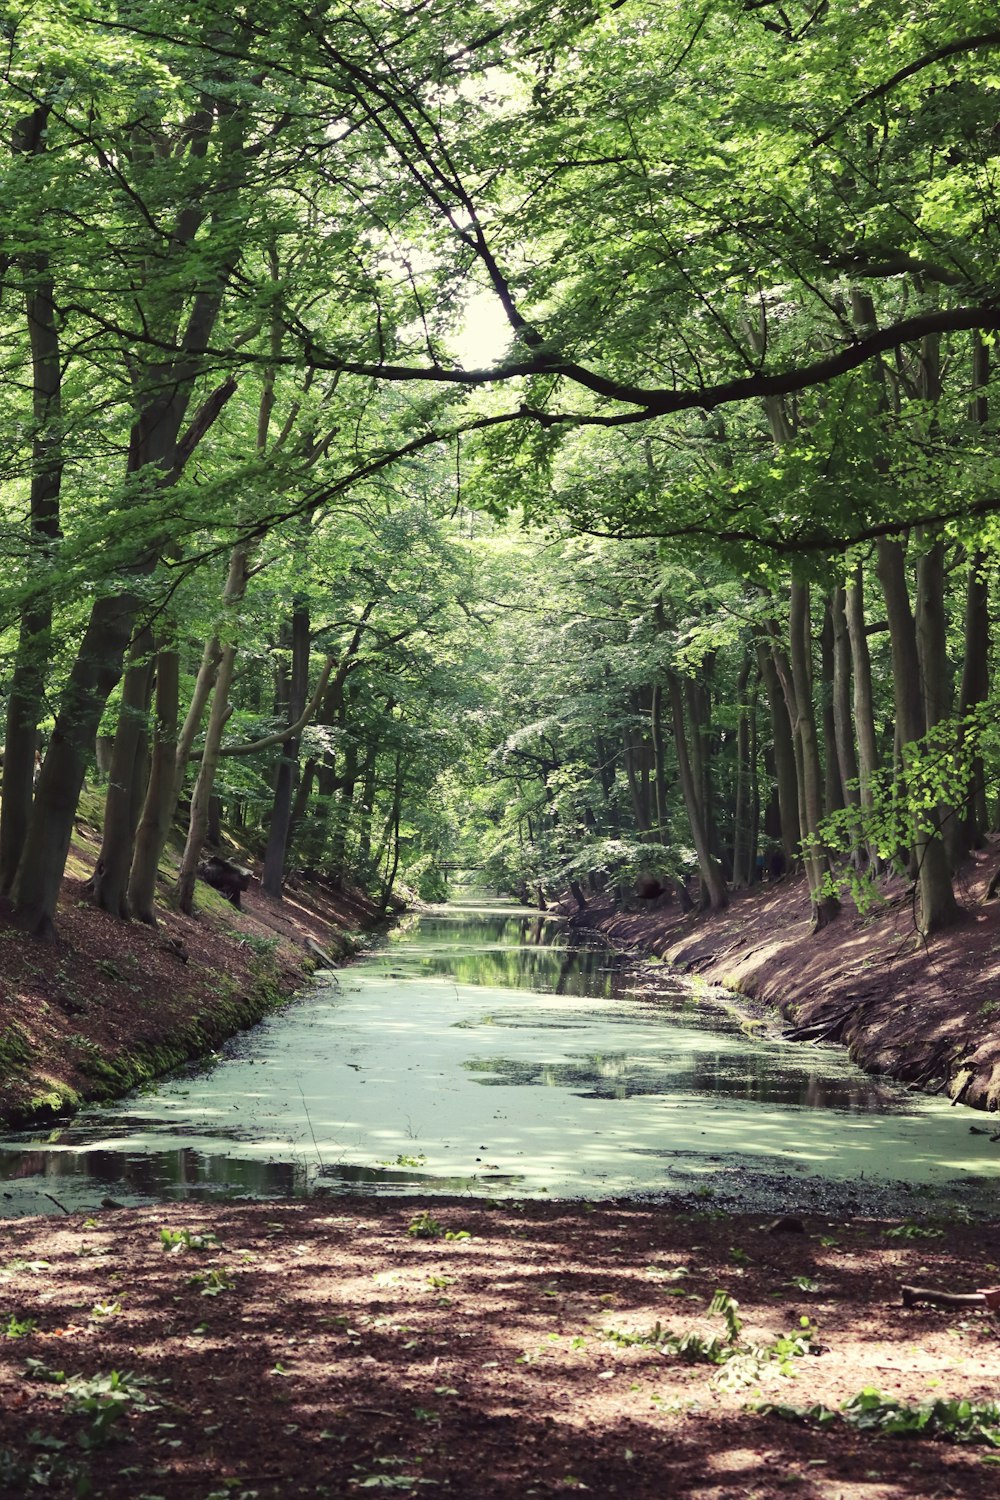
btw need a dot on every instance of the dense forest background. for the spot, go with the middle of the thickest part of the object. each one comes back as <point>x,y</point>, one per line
<point>553,439</point>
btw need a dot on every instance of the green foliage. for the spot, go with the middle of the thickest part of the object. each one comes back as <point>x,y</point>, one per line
<point>18,1328</point>
<point>425,1227</point>
<point>175,1241</point>
<point>955,1421</point>
<point>740,1363</point>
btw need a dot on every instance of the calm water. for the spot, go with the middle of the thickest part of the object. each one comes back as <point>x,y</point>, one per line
<point>485,1051</point>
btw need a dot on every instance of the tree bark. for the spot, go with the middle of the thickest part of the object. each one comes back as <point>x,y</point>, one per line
<point>974,690</point>
<point>843,725</point>
<point>825,907</point>
<point>27,687</point>
<point>236,582</point>
<point>937,905</point>
<point>161,789</point>
<point>834,797</point>
<point>288,763</point>
<point>95,672</point>
<point>742,874</point>
<point>109,883</point>
<point>864,701</point>
<point>713,888</point>
<point>785,769</point>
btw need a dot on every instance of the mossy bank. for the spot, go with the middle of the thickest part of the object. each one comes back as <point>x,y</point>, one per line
<point>108,1005</point>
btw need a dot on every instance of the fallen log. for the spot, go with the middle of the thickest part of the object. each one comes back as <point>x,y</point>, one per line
<point>988,1297</point>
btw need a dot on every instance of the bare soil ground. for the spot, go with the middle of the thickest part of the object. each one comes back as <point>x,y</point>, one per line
<point>321,1349</point>
<point>927,1012</point>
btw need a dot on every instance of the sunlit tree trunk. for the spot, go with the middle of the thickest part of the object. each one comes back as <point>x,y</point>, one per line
<point>825,906</point>
<point>161,788</point>
<point>126,778</point>
<point>236,582</point>
<point>288,761</point>
<point>843,721</point>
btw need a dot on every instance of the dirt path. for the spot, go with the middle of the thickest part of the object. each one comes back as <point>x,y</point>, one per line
<point>322,1349</point>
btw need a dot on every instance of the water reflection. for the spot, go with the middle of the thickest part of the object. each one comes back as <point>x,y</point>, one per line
<point>620,1076</point>
<point>514,953</point>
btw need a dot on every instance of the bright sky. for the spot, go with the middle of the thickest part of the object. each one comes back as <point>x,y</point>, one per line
<point>485,335</point>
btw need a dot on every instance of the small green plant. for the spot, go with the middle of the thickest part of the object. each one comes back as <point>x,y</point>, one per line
<point>804,1283</point>
<point>911,1231</point>
<point>740,1363</point>
<point>869,1411</point>
<point>424,1227</point>
<point>176,1240</point>
<point>727,1307</point>
<point>457,1234</point>
<point>403,1161</point>
<point>107,1309</point>
<point>212,1283</point>
<point>19,1328</point>
<point>105,1398</point>
<point>257,943</point>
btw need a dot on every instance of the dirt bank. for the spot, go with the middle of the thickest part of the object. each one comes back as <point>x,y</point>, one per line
<point>109,1004</point>
<point>322,1349</point>
<point>926,1012</point>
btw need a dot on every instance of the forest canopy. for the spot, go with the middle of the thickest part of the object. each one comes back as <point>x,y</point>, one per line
<point>684,577</point>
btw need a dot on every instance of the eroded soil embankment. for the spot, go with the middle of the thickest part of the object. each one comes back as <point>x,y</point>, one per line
<point>926,1012</point>
<point>109,1004</point>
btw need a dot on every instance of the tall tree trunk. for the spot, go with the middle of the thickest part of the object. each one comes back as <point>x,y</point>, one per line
<point>753,760</point>
<point>94,674</point>
<point>392,835</point>
<point>713,887</point>
<point>368,788</point>
<point>937,905</point>
<point>741,821</point>
<point>825,907</point>
<point>288,763</point>
<point>236,582</point>
<point>785,769</point>
<point>935,671</point>
<point>27,687</point>
<point>834,796</point>
<point>633,752</point>
<point>161,788</point>
<point>659,765</point>
<point>975,690</point>
<point>864,702</point>
<point>843,725</point>
<point>975,685</point>
<point>109,883</point>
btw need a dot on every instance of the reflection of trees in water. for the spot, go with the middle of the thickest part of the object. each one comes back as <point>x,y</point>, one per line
<point>519,953</point>
<point>595,1076</point>
<point>569,972</point>
<point>156,1172</point>
<point>754,1076</point>
<point>618,1076</point>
